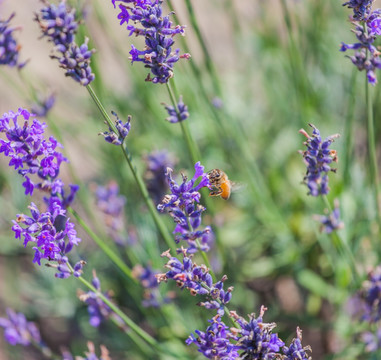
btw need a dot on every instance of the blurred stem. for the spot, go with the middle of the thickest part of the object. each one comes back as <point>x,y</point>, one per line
<point>139,181</point>
<point>372,146</point>
<point>349,126</point>
<point>208,60</point>
<point>191,145</point>
<point>341,244</point>
<point>105,247</point>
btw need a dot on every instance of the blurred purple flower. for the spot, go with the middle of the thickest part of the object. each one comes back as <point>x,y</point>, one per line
<point>58,24</point>
<point>9,48</point>
<point>178,113</point>
<point>159,36</point>
<point>157,163</point>
<point>318,158</point>
<point>90,355</point>
<point>371,295</point>
<point>372,340</point>
<point>97,309</point>
<point>296,351</point>
<point>214,343</point>
<point>111,203</point>
<point>330,222</point>
<point>147,277</point>
<point>123,130</point>
<point>17,330</point>
<point>43,104</point>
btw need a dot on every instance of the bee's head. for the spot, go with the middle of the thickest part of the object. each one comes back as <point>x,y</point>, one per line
<point>214,174</point>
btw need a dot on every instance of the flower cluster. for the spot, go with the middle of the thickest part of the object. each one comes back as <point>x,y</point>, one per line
<point>53,235</point>
<point>181,205</point>
<point>111,203</point>
<point>59,25</point>
<point>9,48</point>
<point>214,343</point>
<point>361,8</point>
<point>51,232</point>
<point>32,154</point>
<point>144,18</point>
<point>17,330</point>
<point>157,163</point>
<point>366,56</point>
<point>318,158</point>
<point>123,130</point>
<point>178,113</point>
<point>197,280</point>
<point>97,309</point>
<point>253,339</point>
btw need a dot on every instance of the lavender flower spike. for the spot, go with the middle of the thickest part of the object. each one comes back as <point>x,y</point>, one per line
<point>17,330</point>
<point>123,130</point>
<point>58,24</point>
<point>9,48</point>
<point>296,351</point>
<point>361,8</point>
<point>318,158</point>
<point>214,343</point>
<point>180,113</point>
<point>330,222</point>
<point>159,36</point>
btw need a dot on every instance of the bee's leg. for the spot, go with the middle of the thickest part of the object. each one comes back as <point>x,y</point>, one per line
<point>217,192</point>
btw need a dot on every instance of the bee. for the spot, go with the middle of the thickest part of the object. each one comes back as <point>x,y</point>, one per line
<point>221,184</point>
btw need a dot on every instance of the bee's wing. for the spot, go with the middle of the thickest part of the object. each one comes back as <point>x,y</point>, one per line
<point>237,186</point>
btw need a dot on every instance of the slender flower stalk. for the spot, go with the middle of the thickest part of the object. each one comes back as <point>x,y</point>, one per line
<point>138,179</point>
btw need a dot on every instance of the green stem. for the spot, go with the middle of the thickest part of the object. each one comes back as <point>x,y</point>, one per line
<point>349,126</point>
<point>139,181</point>
<point>137,329</point>
<point>105,247</point>
<point>372,147</point>
<point>191,145</point>
<point>341,244</point>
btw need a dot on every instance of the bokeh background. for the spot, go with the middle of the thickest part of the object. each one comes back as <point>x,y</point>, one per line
<point>263,84</point>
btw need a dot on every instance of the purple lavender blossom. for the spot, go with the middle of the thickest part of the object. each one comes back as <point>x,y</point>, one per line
<point>371,296</point>
<point>155,178</point>
<point>330,222</point>
<point>181,205</point>
<point>49,242</point>
<point>147,278</point>
<point>178,113</point>
<point>33,155</point>
<point>197,280</point>
<point>214,343</point>
<point>123,130</point>
<point>367,56</point>
<point>372,340</point>
<point>296,351</point>
<point>43,105</point>
<point>111,203</point>
<point>361,8</point>
<point>9,48</point>
<point>90,355</point>
<point>58,24</point>
<point>17,330</point>
<point>159,36</point>
<point>97,309</point>
<point>255,338</point>
<point>317,157</point>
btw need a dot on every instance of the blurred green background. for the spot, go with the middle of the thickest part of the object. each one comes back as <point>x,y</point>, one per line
<point>268,82</point>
